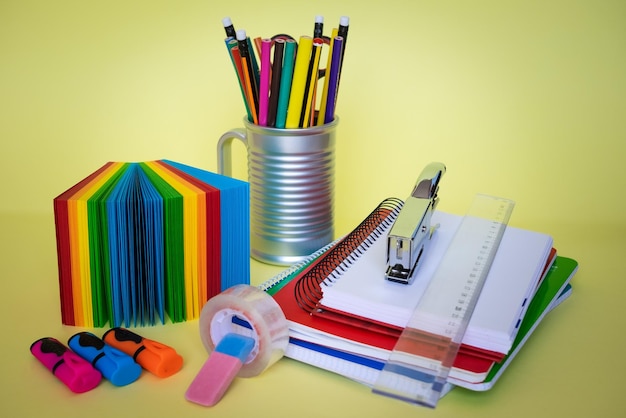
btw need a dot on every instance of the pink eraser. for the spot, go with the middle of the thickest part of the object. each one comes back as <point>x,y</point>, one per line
<point>213,379</point>
<point>217,373</point>
<point>77,373</point>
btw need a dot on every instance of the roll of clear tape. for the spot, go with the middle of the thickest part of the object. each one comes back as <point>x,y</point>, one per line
<point>251,312</point>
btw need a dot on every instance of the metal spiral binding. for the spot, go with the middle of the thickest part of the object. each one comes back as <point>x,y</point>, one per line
<point>308,290</point>
<point>276,280</point>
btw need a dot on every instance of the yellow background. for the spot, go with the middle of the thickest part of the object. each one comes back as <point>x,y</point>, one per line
<point>520,99</point>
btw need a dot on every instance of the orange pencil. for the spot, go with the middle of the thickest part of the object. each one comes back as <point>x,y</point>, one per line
<point>249,74</point>
<point>235,57</point>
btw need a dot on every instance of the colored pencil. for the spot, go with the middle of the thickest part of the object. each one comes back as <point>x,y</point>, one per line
<point>248,72</point>
<point>311,84</point>
<point>277,67</point>
<point>284,88</point>
<point>229,28</point>
<point>318,27</point>
<point>264,88</point>
<point>335,71</point>
<point>329,63</point>
<point>285,83</point>
<point>298,83</point>
<point>235,58</point>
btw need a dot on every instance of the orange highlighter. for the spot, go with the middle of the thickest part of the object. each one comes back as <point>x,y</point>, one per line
<point>159,359</point>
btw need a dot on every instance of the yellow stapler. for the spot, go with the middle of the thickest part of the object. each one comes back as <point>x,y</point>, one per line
<point>412,230</point>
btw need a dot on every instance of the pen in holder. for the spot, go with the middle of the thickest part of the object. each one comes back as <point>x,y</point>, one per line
<point>291,174</point>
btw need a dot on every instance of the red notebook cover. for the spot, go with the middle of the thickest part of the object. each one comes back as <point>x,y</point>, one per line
<point>365,333</point>
<point>464,351</point>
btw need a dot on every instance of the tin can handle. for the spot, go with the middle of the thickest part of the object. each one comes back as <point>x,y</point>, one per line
<point>224,150</point>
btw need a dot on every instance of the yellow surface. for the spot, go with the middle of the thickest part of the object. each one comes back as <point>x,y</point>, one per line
<point>520,99</point>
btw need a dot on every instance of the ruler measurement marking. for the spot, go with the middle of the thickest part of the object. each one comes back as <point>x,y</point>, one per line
<point>424,354</point>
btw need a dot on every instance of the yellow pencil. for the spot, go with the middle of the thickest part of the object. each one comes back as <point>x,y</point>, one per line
<point>298,84</point>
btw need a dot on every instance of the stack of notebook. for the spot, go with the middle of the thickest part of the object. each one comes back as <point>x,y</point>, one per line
<point>139,241</point>
<point>344,317</point>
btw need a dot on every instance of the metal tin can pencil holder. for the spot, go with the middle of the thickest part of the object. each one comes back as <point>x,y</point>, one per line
<point>291,174</point>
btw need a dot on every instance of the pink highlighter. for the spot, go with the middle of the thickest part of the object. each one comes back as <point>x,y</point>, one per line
<point>219,370</point>
<point>71,369</point>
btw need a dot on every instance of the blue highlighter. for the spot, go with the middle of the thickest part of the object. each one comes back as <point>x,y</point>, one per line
<point>117,367</point>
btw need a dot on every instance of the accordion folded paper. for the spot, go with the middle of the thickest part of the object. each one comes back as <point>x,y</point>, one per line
<point>137,242</point>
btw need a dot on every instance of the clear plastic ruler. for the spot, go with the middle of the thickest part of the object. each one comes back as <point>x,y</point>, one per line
<point>420,362</point>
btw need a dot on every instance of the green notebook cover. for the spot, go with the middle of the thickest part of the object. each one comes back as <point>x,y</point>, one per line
<point>553,290</point>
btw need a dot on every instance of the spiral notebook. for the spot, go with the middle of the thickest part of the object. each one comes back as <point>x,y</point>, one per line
<point>372,337</point>
<point>354,288</point>
<point>137,242</point>
<point>553,290</point>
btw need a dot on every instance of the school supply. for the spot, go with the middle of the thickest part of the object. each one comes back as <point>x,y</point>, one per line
<point>221,368</point>
<point>412,231</point>
<point>554,289</point>
<point>137,241</point>
<point>245,332</point>
<point>518,266</point>
<point>291,175</point>
<point>418,366</point>
<point>67,366</point>
<point>119,356</point>
<point>116,366</point>
<point>355,339</point>
<point>156,357</point>
<point>282,91</point>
